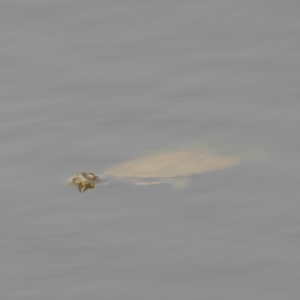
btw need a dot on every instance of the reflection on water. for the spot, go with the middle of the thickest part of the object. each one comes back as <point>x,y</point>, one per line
<point>87,86</point>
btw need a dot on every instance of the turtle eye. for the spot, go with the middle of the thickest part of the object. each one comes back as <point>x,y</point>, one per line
<point>90,175</point>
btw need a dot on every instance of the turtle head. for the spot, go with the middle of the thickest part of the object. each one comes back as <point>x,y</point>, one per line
<point>85,181</point>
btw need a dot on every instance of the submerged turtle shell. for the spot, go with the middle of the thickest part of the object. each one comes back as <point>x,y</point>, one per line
<point>180,163</point>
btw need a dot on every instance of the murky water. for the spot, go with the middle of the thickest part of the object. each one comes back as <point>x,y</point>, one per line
<point>87,84</point>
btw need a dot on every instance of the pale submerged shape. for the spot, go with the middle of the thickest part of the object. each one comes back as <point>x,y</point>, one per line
<point>172,167</point>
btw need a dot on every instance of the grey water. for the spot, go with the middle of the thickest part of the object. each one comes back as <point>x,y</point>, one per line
<point>88,84</point>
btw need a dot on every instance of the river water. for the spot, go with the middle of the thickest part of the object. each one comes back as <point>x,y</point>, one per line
<point>88,84</point>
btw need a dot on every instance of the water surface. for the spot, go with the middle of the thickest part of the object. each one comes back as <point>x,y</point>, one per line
<point>88,84</point>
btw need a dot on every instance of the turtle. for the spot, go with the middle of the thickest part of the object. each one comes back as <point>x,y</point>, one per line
<point>175,167</point>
